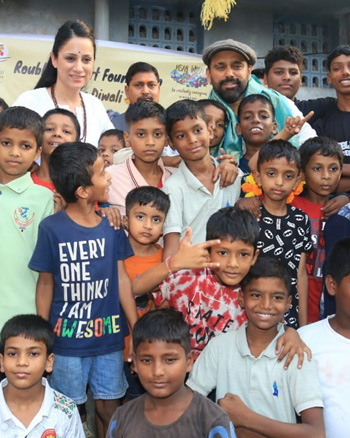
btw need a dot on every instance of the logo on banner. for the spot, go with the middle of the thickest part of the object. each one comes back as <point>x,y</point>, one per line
<point>193,77</point>
<point>3,52</point>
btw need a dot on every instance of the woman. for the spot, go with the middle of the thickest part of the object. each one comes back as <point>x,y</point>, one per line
<point>68,70</point>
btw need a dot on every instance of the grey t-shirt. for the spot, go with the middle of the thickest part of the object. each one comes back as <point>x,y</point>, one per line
<point>202,419</point>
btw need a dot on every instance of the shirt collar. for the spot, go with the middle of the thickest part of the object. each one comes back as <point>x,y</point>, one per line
<point>242,342</point>
<point>191,180</point>
<point>44,411</point>
<point>19,185</point>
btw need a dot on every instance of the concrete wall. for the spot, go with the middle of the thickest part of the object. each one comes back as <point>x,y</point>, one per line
<point>46,16</point>
<point>257,32</point>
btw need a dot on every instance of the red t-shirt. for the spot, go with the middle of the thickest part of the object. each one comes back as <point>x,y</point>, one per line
<point>315,258</point>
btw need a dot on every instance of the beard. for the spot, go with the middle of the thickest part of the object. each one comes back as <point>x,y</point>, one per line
<point>230,95</point>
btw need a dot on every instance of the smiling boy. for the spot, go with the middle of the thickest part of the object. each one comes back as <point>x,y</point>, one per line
<point>260,397</point>
<point>23,205</point>
<point>194,194</point>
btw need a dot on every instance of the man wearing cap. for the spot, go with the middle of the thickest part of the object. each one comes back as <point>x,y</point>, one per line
<point>229,65</point>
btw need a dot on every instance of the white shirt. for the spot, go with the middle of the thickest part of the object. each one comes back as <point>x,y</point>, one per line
<point>40,100</point>
<point>331,352</point>
<point>58,414</point>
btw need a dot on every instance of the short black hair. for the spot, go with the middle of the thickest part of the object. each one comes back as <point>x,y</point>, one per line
<point>140,67</point>
<point>19,117</point>
<point>3,104</point>
<point>145,109</point>
<point>207,102</point>
<point>252,98</point>
<point>275,149</point>
<point>67,113</point>
<point>30,327</point>
<point>338,260</point>
<point>113,132</point>
<point>70,166</point>
<point>343,49</point>
<point>147,195</point>
<point>268,267</point>
<point>285,53</point>
<point>181,109</point>
<point>327,147</point>
<point>162,325</point>
<point>235,224</point>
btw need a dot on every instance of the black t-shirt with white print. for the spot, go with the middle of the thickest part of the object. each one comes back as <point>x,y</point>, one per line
<point>286,237</point>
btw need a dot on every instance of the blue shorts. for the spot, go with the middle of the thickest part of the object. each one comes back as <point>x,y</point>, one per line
<point>104,375</point>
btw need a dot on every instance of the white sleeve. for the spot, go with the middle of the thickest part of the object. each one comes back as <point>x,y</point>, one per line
<point>203,377</point>
<point>74,428</point>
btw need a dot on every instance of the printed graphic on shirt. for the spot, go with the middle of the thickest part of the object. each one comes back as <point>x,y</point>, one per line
<point>49,433</point>
<point>208,307</point>
<point>64,404</point>
<point>23,217</point>
<point>81,291</point>
<point>286,238</point>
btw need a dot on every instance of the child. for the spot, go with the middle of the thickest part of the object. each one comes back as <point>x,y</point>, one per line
<point>256,124</point>
<point>61,126</point>
<point>217,119</point>
<point>194,196</point>
<point>168,409</point>
<point>284,229</point>
<point>330,343</point>
<point>29,406</point>
<point>110,142</point>
<point>23,205</point>
<point>321,162</point>
<point>82,282</point>
<point>147,137</point>
<point>259,395</point>
<point>146,208</point>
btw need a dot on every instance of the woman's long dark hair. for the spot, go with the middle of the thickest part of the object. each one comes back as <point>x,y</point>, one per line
<point>70,29</point>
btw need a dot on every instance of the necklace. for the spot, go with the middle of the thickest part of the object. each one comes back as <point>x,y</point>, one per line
<point>53,97</point>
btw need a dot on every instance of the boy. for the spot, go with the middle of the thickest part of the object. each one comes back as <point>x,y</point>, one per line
<point>321,162</point>
<point>23,205</point>
<point>260,396</point>
<point>146,208</point>
<point>147,138</point>
<point>217,119</point>
<point>284,229</point>
<point>256,124</point>
<point>82,283</point>
<point>194,195</point>
<point>330,343</point>
<point>28,405</point>
<point>168,409</point>
<point>283,66</point>
<point>61,126</point>
<point>110,142</point>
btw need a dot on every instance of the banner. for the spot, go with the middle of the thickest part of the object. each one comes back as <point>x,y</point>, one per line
<point>23,57</point>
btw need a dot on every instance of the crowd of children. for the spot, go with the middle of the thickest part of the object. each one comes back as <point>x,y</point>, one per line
<point>185,277</point>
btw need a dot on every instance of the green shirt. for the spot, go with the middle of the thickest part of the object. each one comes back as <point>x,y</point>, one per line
<point>23,205</point>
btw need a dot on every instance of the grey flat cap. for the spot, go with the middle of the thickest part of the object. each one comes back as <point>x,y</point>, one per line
<point>229,44</point>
